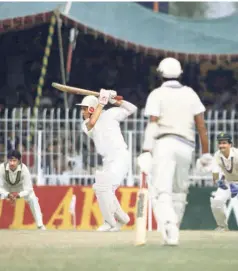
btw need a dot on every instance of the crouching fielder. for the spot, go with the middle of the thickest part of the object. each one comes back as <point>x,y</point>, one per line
<point>225,162</point>
<point>15,183</point>
<point>169,141</point>
<point>104,129</point>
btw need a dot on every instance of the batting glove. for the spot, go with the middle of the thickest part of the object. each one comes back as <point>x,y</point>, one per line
<point>112,99</point>
<point>144,161</point>
<point>104,96</point>
<point>206,159</point>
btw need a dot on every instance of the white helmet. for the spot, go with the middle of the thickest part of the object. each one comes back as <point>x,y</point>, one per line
<point>91,102</point>
<point>170,68</point>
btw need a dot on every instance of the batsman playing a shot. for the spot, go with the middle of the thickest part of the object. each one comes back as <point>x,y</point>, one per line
<point>169,140</point>
<point>103,126</point>
<point>225,176</point>
<point>15,183</point>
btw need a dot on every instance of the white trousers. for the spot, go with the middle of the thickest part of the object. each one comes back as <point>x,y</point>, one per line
<point>170,174</point>
<point>115,169</point>
<point>218,206</point>
<point>171,163</point>
<point>117,166</point>
<point>223,195</point>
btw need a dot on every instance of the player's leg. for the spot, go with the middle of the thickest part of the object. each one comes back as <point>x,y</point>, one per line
<point>121,216</point>
<point>179,202</point>
<point>118,169</point>
<point>103,191</point>
<point>218,207</point>
<point>35,209</point>
<point>181,181</point>
<point>162,182</point>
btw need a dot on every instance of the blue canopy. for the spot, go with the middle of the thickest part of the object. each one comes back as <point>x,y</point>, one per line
<point>132,25</point>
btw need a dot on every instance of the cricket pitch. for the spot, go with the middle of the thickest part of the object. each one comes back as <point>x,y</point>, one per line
<point>113,251</point>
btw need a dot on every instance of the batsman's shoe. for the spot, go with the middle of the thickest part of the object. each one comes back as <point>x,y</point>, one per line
<point>222,228</point>
<point>43,228</point>
<point>104,227</point>
<point>172,234</point>
<point>117,227</point>
<point>123,220</point>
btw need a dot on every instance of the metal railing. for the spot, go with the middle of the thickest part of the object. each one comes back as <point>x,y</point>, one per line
<point>57,151</point>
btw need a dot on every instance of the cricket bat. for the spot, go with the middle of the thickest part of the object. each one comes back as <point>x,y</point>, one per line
<point>141,212</point>
<point>78,91</point>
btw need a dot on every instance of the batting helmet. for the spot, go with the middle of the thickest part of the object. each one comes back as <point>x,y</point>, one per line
<point>91,102</point>
<point>170,68</point>
<point>225,137</point>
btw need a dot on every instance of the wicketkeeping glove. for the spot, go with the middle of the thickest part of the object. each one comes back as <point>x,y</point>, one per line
<point>222,185</point>
<point>234,189</point>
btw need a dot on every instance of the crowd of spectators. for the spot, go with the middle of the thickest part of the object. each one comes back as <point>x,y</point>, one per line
<point>95,64</point>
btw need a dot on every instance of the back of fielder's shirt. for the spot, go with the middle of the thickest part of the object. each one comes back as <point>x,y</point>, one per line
<point>106,133</point>
<point>175,105</point>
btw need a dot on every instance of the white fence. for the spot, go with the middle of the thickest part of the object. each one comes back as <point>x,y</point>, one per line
<point>54,147</point>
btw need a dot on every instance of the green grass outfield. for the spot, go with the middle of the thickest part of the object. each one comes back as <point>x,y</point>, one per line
<point>77,250</point>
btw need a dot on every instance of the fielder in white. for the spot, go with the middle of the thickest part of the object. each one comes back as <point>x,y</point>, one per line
<point>103,126</point>
<point>225,175</point>
<point>15,183</point>
<point>169,140</point>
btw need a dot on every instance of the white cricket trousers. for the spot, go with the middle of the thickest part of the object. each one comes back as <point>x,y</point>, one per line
<point>117,166</point>
<point>115,169</point>
<point>170,173</point>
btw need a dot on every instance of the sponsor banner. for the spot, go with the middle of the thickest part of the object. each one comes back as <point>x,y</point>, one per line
<point>70,207</point>
<point>66,207</point>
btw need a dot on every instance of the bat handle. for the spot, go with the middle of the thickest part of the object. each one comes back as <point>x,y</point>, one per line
<point>119,98</point>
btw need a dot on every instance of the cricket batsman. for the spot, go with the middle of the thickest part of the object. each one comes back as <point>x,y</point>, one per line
<point>103,126</point>
<point>225,161</point>
<point>169,140</point>
<point>16,183</point>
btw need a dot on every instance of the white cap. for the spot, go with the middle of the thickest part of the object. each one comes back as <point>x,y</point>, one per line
<point>90,101</point>
<point>170,68</point>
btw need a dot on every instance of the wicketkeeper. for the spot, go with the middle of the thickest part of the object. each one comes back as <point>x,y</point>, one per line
<point>225,176</point>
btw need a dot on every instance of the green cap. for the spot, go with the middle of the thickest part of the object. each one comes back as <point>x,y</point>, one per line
<point>225,137</point>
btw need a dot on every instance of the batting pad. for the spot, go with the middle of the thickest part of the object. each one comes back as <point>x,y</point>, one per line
<point>179,203</point>
<point>219,212</point>
<point>103,191</point>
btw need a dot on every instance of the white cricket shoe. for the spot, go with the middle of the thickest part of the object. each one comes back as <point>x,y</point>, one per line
<point>222,228</point>
<point>120,223</point>
<point>172,234</point>
<point>104,227</point>
<point>43,228</point>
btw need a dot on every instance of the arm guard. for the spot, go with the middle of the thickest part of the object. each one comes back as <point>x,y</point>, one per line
<point>151,132</point>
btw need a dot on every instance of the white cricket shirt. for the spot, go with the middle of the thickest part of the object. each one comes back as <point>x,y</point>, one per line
<point>106,133</point>
<point>175,105</point>
<point>23,187</point>
<point>228,166</point>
